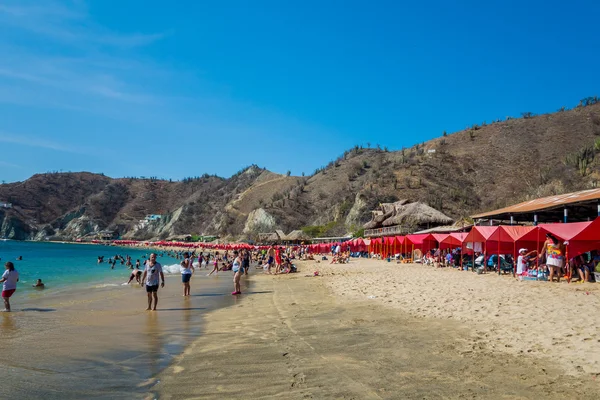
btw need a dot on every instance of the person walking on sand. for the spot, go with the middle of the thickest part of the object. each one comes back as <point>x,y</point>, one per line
<point>187,269</point>
<point>270,258</point>
<point>237,273</point>
<point>152,271</point>
<point>9,284</point>
<point>278,260</point>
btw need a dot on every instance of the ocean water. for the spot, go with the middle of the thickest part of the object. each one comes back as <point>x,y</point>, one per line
<point>88,336</point>
<point>63,265</point>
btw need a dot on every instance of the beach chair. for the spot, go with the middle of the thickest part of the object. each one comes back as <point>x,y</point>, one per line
<point>504,266</point>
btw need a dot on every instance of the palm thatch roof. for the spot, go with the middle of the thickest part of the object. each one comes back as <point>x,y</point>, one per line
<point>393,207</point>
<point>385,211</point>
<point>415,214</point>
<point>377,220</point>
<point>268,237</point>
<point>297,235</point>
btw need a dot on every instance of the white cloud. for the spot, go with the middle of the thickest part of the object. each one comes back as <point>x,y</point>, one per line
<point>9,165</point>
<point>33,141</point>
<point>70,24</point>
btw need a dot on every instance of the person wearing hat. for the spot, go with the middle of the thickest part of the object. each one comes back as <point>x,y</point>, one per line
<point>523,261</point>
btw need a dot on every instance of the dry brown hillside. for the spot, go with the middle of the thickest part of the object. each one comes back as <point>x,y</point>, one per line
<point>477,169</point>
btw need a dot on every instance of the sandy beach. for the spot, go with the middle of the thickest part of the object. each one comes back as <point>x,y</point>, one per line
<point>431,336</point>
<point>554,321</point>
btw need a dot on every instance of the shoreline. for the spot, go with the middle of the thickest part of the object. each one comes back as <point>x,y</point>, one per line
<point>102,343</point>
<point>293,337</point>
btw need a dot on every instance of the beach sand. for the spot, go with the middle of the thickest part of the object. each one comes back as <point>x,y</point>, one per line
<point>558,322</point>
<point>299,337</point>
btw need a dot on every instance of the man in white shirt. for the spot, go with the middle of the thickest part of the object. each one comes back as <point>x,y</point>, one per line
<point>152,271</point>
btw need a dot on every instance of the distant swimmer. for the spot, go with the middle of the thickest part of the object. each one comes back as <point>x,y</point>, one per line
<point>20,258</point>
<point>39,284</point>
<point>100,259</point>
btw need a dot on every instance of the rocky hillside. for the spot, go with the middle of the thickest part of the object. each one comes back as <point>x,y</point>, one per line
<point>483,167</point>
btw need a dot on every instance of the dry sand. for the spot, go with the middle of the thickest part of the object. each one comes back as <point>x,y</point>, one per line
<point>556,321</point>
<point>290,337</point>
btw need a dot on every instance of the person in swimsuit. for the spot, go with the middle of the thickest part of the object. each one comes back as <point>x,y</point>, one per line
<point>187,269</point>
<point>135,274</point>
<point>9,284</point>
<point>215,264</point>
<point>554,251</point>
<point>271,258</point>
<point>246,261</point>
<point>39,284</point>
<point>237,273</point>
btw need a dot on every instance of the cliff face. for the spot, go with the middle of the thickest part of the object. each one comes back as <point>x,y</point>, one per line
<point>12,227</point>
<point>478,169</point>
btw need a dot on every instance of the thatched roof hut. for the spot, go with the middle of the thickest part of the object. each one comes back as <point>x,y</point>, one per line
<point>393,207</point>
<point>385,211</point>
<point>297,235</point>
<point>377,220</point>
<point>417,214</point>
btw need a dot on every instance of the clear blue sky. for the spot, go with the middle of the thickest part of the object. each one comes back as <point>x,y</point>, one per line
<point>180,88</point>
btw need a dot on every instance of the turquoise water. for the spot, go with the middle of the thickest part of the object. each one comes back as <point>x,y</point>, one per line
<point>62,265</point>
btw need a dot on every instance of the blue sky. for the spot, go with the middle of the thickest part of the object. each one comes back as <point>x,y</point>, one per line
<point>177,89</point>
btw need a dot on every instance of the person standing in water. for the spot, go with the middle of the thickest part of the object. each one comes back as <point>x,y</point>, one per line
<point>152,272</point>
<point>215,264</point>
<point>187,269</point>
<point>9,284</point>
<point>237,272</point>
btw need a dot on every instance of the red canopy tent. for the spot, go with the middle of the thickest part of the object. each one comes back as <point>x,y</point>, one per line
<point>388,243</point>
<point>356,245</point>
<point>397,246</point>
<point>376,245</point>
<point>439,237</point>
<point>478,234</point>
<point>421,241</point>
<point>455,239</point>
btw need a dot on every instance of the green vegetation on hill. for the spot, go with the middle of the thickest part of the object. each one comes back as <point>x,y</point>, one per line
<point>483,167</point>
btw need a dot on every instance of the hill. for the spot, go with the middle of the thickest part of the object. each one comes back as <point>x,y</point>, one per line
<point>483,167</point>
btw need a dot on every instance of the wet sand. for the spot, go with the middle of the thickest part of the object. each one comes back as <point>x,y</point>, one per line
<point>291,337</point>
<point>100,343</point>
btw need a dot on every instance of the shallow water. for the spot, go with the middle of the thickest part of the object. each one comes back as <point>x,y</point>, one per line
<point>90,337</point>
<point>62,265</point>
